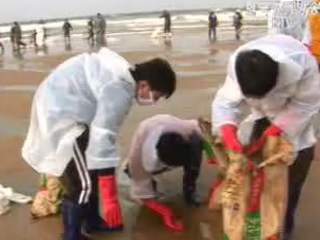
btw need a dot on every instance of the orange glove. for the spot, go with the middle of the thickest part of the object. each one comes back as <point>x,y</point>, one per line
<point>159,208</point>
<point>272,130</point>
<point>229,138</point>
<point>110,204</point>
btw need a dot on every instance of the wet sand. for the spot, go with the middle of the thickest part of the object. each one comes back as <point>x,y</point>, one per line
<point>201,69</point>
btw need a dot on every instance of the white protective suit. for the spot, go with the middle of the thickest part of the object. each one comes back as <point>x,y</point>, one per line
<point>290,105</point>
<point>143,160</point>
<point>288,17</point>
<point>40,36</point>
<point>95,90</point>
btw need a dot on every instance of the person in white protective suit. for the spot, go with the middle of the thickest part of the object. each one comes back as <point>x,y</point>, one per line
<point>76,115</point>
<point>288,17</point>
<point>278,78</point>
<point>162,143</point>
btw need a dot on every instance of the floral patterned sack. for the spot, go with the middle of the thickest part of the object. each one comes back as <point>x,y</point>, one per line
<point>48,200</point>
<point>252,193</point>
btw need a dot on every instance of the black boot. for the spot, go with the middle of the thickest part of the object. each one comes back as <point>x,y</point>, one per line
<point>189,188</point>
<point>192,170</point>
<point>92,220</point>
<point>286,236</point>
<point>72,215</point>
<point>190,196</point>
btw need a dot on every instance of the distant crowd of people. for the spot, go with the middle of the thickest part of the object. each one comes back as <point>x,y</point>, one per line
<point>96,31</point>
<point>213,24</point>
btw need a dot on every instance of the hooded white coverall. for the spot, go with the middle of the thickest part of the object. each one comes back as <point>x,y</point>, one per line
<point>89,90</point>
<point>290,105</point>
<point>143,162</point>
<point>288,17</point>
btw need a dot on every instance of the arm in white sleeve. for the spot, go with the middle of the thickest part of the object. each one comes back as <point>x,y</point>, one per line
<point>306,40</point>
<point>142,151</point>
<point>228,105</point>
<point>114,102</point>
<point>297,115</point>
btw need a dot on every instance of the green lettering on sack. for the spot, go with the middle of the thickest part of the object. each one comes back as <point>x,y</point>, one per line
<point>207,148</point>
<point>253,226</point>
<point>225,237</point>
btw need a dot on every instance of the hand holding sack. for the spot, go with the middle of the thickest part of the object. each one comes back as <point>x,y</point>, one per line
<point>229,138</point>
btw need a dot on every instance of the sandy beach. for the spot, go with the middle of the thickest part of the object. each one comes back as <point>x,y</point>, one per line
<point>201,68</point>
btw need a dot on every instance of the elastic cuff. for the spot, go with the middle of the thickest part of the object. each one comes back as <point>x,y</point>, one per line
<point>98,164</point>
<point>219,125</point>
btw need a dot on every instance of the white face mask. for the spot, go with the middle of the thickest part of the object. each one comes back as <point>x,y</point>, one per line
<point>146,101</point>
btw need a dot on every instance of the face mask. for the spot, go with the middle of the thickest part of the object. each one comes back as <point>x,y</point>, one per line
<point>146,101</point>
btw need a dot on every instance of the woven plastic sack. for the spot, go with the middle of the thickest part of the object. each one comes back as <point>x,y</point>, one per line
<point>48,200</point>
<point>250,190</point>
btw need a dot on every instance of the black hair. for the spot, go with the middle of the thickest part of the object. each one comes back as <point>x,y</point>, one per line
<point>158,73</point>
<point>256,72</point>
<point>173,149</point>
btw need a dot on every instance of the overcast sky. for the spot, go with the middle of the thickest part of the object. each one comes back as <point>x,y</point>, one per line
<point>21,10</point>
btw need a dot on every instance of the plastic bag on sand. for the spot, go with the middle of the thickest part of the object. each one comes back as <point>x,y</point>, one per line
<point>8,194</point>
<point>4,204</point>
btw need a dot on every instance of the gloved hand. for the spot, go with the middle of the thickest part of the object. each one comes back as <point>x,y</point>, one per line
<point>166,214</point>
<point>229,138</point>
<point>272,130</point>
<point>272,141</point>
<point>110,204</point>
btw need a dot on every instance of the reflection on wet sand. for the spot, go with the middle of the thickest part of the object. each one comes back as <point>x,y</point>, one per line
<point>18,88</point>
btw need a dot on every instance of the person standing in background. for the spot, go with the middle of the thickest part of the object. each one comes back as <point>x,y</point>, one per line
<point>67,28</point>
<point>101,26</point>
<point>1,46</point>
<point>213,23</point>
<point>167,22</point>
<point>43,32</point>
<point>33,38</point>
<point>237,23</point>
<point>90,32</point>
<point>16,37</point>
